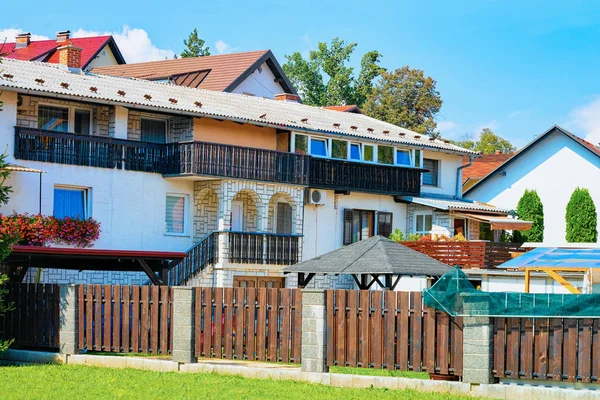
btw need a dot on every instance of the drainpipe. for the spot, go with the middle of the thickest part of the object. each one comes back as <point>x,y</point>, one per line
<point>459,176</point>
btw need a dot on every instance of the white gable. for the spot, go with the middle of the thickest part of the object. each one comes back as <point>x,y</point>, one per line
<point>104,58</point>
<point>260,83</point>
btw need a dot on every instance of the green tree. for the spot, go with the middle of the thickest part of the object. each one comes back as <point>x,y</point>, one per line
<point>325,79</point>
<point>487,143</point>
<point>530,208</point>
<point>407,98</point>
<point>194,46</point>
<point>581,217</point>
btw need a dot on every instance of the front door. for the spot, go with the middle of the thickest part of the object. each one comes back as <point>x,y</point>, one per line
<point>237,216</point>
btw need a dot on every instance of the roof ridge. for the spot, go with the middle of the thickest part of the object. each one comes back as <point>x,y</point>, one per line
<point>362,254</point>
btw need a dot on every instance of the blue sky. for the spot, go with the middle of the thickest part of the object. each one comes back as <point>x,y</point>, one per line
<point>517,67</point>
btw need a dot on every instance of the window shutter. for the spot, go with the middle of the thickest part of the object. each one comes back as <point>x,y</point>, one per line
<point>348,218</point>
<point>384,224</point>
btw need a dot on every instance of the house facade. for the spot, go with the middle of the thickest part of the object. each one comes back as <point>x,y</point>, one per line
<point>244,185</point>
<point>554,164</point>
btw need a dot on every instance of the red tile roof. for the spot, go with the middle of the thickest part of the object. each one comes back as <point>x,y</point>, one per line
<point>483,165</point>
<point>45,50</point>
<point>349,108</point>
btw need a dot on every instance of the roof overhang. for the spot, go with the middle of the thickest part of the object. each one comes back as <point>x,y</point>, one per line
<point>21,168</point>
<point>498,222</point>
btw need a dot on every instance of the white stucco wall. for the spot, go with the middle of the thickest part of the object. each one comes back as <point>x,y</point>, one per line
<point>104,58</point>
<point>448,165</point>
<point>554,167</point>
<point>324,227</point>
<point>261,84</point>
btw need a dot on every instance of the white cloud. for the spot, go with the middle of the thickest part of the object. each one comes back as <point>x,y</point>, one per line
<point>446,126</point>
<point>222,47</point>
<point>586,119</point>
<point>9,35</point>
<point>134,43</point>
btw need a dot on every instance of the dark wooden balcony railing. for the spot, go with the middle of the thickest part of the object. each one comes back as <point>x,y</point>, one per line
<point>214,159</point>
<point>362,177</point>
<point>263,248</point>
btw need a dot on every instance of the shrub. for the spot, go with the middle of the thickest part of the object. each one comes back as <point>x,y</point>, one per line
<point>530,208</point>
<point>581,218</point>
<point>397,235</point>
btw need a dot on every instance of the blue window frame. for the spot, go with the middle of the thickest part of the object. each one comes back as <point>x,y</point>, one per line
<point>355,151</point>
<point>402,157</point>
<point>70,202</point>
<point>318,147</point>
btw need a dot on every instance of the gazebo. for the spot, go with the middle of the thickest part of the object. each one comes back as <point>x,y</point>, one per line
<point>374,260</point>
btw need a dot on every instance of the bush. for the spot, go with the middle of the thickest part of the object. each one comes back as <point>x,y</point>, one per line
<point>581,218</point>
<point>397,235</point>
<point>530,208</point>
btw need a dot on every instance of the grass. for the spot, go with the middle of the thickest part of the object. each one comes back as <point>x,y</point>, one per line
<point>83,382</point>
<point>379,372</point>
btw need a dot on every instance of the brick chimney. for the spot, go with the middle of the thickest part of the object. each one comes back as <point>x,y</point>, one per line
<point>22,40</point>
<point>287,97</point>
<point>70,57</point>
<point>63,36</point>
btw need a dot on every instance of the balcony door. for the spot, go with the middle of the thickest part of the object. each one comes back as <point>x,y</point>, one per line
<point>237,216</point>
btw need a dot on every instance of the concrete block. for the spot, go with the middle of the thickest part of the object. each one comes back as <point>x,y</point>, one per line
<point>492,391</point>
<point>407,383</point>
<point>388,382</point>
<point>290,374</point>
<point>520,392</point>
<point>311,377</point>
<point>363,381</point>
<point>574,394</point>
<point>314,297</point>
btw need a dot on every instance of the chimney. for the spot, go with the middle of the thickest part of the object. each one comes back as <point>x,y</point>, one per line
<point>498,151</point>
<point>287,97</point>
<point>70,57</point>
<point>22,40</point>
<point>63,36</point>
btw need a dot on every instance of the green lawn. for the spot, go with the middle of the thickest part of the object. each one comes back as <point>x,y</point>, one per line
<point>81,382</point>
<point>379,372</point>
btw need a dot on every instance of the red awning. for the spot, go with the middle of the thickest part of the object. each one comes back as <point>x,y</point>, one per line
<point>499,222</point>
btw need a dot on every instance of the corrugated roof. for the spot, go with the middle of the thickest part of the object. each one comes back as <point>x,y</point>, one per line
<point>556,257</point>
<point>375,255</point>
<point>20,168</point>
<point>450,205</point>
<point>21,76</point>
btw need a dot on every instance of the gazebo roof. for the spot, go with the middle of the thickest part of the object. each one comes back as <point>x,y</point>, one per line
<point>376,255</point>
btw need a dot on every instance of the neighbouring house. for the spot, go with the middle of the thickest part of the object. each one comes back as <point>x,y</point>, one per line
<point>96,51</point>
<point>254,73</point>
<point>479,167</point>
<point>555,163</point>
<point>243,185</point>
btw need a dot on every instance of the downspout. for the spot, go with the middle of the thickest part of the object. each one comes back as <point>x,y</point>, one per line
<point>459,176</point>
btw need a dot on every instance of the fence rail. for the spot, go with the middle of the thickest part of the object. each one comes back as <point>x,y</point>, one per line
<point>547,349</point>
<point>392,330</point>
<point>248,324</point>
<point>123,319</point>
<point>34,319</point>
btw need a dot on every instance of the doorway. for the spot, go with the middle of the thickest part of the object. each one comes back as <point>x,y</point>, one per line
<point>237,216</point>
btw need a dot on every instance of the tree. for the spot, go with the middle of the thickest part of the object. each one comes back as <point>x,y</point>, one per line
<point>407,98</point>
<point>581,217</point>
<point>487,143</point>
<point>195,46</point>
<point>530,208</point>
<point>325,79</point>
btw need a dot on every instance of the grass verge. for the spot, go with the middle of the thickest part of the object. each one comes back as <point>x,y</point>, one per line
<point>379,372</point>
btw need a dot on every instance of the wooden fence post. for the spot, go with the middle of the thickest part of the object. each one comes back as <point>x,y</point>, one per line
<point>68,326</point>
<point>183,325</point>
<point>478,341</point>
<point>314,336</point>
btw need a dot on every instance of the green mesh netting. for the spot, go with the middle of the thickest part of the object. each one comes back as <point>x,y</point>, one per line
<point>454,294</point>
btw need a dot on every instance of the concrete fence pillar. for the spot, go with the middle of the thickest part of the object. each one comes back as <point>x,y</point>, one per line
<point>478,341</point>
<point>68,320</point>
<point>314,336</point>
<point>183,325</point>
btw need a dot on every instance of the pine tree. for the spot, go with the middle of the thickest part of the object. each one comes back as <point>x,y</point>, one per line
<point>581,218</point>
<point>194,46</point>
<point>530,208</point>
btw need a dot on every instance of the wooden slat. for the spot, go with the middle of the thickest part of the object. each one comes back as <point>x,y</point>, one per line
<point>585,350</point>
<point>596,348</point>
<point>570,349</point>
<point>171,290</point>
<point>402,322</point>
<point>107,328</point>
<point>376,329</point>
<point>331,326</point>
<point>250,323</point>
<point>389,321</point>
<point>207,306</point>
<point>98,317</point>
<point>429,333</point>
<point>556,342</point>
<point>198,310</point>
<point>261,324</point>
<point>364,321</point>
<point>352,323</point>
<point>154,304</point>
<point>131,319</point>
<point>442,345</point>
<point>417,333</point>
<point>513,335</point>
<point>80,317</point>
<point>89,314</point>
<point>240,307</point>
<point>297,326</point>
<point>540,352</point>
<point>499,346</point>
<point>228,334</point>
<point>273,325</point>
<point>218,336</point>
<point>285,334</point>
<point>144,319</point>
<point>164,320</point>
<point>456,340</point>
<point>526,350</point>
<point>340,321</point>
<point>117,319</point>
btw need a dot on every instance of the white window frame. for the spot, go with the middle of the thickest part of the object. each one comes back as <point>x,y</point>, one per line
<point>418,214</point>
<point>275,216</point>
<point>410,157</point>
<point>70,114</point>
<point>360,151</point>
<point>414,158</point>
<point>186,208</point>
<point>327,146</point>
<point>87,200</point>
<point>166,122</point>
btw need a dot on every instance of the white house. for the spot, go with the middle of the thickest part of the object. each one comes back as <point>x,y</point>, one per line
<point>554,164</point>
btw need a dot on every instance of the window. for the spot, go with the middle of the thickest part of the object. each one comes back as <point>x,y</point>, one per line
<point>154,130</point>
<point>300,144</point>
<point>384,223</point>
<point>423,223</point>
<point>318,147</point>
<point>339,149</point>
<point>53,118</point>
<point>385,155</point>
<point>418,158</point>
<point>355,151</point>
<point>460,225</point>
<point>175,214</point>
<point>284,218</point>
<point>368,153</point>
<point>70,202</point>
<point>431,177</point>
<point>402,157</point>
<point>358,225</point>
<point>82,122</point>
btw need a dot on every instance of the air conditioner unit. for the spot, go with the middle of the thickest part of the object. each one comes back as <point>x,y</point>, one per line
<point>314,196</point>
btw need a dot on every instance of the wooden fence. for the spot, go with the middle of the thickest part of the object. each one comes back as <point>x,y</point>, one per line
<point>35,317</point>
<point>547,349</point>
<point>124,319</point>
<point>248,324</point>
<point>391,330</point>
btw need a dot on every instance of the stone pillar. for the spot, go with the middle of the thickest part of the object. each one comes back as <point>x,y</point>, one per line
<point>314,336</point>
<point>183,325</point>
<point>68,320</point>
<point>478,341</point>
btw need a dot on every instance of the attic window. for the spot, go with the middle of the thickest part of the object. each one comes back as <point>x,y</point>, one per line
<point>93,89</point>
<point>121,92</point>
<point>64,84</point>
<point>386,133</point>
<point>304,120</point>
<point>172,100</point>
<point>336,125</point>
<point>148,97</point>
<point>40,81</point>
<point>263,116</point>
<point>353,127</point>
<point>8,76</point>
<point>198,104</point>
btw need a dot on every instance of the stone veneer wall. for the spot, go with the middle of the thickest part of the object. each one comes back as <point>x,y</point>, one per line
<point>473,230</point>
<point>442,222</point>
<point>181,128</point>
<point>206,212</point>
<point>68,277</point>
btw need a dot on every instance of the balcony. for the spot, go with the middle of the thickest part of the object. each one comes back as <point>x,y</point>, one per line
<point>362,177</point>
